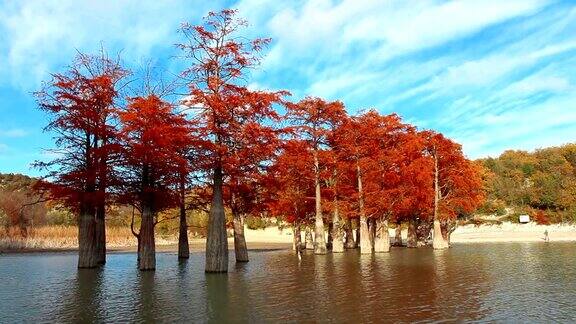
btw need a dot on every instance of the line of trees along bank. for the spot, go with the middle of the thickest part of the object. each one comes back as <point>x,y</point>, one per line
<point>231,146</point>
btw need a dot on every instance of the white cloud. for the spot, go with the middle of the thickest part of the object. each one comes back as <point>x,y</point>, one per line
<point>41,36</point>
<point>14,132</point>
<point>346,45</point>
<point>538,83</point>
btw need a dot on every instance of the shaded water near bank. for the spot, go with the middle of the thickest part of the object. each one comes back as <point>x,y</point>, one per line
<point>484,282</point>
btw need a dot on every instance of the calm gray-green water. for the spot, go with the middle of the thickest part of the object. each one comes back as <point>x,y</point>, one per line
<point>483,282</point>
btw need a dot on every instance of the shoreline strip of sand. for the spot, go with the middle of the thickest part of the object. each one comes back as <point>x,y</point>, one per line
<point>273,238</point>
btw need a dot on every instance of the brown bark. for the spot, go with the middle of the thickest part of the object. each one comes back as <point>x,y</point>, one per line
<point>423,230</point>
<point>382,237</point>
<point>357,242</point>
<point>100,232</point>
<point>438,240</point>
<point>398,234</point>
<point>319,241</point>
<point>297,239</point>
<point>365,244</point>
<point>349,238</point>
<point>216,240</point>
<point>308,239</point>
<point>329,234</point>
<point>337,239</point>
<point>146,242</point>
<point>372,230</point>
<point>87,253</point>
<point>240,248</point>
<point>448,227</point>
<point>183,246</point>
<point>412,240</point>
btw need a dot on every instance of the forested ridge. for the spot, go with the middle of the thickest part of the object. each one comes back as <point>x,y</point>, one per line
<point>541,183</point>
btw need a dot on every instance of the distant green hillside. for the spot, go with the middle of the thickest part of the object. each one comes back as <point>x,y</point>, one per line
<point>540,182</point>
<point>15,182</point>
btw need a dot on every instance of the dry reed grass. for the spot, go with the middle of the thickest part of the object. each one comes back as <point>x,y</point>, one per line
<point>66,237</point>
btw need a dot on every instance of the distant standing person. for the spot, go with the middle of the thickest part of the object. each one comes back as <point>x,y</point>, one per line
<point>546,238</point>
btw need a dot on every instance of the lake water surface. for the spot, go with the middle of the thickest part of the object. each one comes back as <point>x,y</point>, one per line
<point>513,282</point>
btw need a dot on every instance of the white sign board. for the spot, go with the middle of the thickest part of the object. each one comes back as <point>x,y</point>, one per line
<point>524,219</point>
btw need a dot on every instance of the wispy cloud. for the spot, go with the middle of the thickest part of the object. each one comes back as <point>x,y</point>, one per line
<point>14,132</point>
<point>491,74</point>
<point>40,36</point>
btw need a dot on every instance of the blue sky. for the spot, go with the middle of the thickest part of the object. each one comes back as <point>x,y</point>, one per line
<point>491,74</point>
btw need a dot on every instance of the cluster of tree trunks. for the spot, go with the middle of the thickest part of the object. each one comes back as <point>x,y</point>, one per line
<point>419,234</point>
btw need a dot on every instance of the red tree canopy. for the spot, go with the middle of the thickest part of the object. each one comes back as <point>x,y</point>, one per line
<point>82,109</point>
<point>153,137</point>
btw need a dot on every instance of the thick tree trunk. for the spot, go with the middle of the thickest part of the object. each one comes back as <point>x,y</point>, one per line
<point>87,252</point>
<point>398,234</point>
<point>412,240</point>
<point>349,240</point>
<point>438,241</point>
<point>147,245</point>
<point>100,231</point>
<point>423,231</point>
<point>216,240</point>
<point>308,239</point>
<point>319,240</point>
<point>372,230</point>
<point>448,227</point>
<point>330,238</point>
<point>357,242</point>
<point>337,239</point>
<point>382,238</point>
<point>240,248</point>
<point>365,244</point>
<point>183,246</point>
<point>297,239</point>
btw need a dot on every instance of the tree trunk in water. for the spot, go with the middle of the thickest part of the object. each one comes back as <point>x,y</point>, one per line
<point>382,238</point>
<point>87,252</point>
<point>357,242</point>
<point>372,229</point>
<point>349,240</point>
<point>412,240</point>
<point>216,240</point>
<point>100,231</point>
<point>319,241</point>
<point>240,248</point>
<point>365,244</point>
<point>297,239</point>
<point>438,240</point>
<point>183,246</point>
<point>424,232</point>
<point>147,245</point>
<point>329,234</point>
<point>448,227</point>
<point>308,239</point>
<point>337,239</point>
<point>398,236</point>
<point>364,233</point>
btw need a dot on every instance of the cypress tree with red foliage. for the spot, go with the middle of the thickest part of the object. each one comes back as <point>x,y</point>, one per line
<point>81,104</point>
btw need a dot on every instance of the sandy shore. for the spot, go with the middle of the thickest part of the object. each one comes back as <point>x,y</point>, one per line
<point>508,232</point>
<point>273,238</point>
